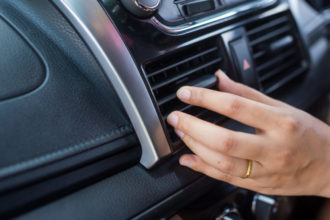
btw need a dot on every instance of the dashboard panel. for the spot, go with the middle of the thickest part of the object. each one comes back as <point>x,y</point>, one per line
<point>167,60</point>
<point>112,73</point>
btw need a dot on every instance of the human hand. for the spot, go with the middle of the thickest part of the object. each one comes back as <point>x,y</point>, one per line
<point>290,150</point>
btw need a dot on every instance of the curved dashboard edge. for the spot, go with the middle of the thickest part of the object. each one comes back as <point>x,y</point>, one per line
<point>212,19</point>
<point>100,34</point>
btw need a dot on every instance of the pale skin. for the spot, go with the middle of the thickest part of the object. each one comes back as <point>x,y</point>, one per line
<point>290,149</point>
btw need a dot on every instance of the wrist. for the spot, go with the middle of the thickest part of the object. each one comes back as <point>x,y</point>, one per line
<point>325,190</point>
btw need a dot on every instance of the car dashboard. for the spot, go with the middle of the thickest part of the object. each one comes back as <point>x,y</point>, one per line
<point>83,130</point>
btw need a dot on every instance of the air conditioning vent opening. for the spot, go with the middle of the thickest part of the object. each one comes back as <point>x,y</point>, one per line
<point>277,51</point>
<point>193,65</point>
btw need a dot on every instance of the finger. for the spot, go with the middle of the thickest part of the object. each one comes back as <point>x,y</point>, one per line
<point>198,165</point>
<point>226,164</point>
<point>230,86</point>
<point>246,111</point>
<point>231,143</point>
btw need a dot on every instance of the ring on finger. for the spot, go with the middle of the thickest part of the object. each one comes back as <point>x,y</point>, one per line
<point>249,170</point>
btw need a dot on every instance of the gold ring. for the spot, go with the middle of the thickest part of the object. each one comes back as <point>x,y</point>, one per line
<point>248,171</point>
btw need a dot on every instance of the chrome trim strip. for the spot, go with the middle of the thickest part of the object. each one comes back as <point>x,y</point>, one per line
<point>100,34</point>
<point>212,19</point>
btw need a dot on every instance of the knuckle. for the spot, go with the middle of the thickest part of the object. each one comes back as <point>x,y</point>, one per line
<point>227,166</point>
<point>290,124</point>
<point>234,106</point>
<point>228,143</point>
<point>183,122</point>
<point>284,159</point>
<point>198,95</point>
<point>188,141</point>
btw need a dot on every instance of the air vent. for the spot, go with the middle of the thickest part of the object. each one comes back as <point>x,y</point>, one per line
<point>277,51</point>
<point>194,65</point>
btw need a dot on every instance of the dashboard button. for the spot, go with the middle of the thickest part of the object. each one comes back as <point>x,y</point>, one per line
<point>198,7</point>
<point>243,61</point>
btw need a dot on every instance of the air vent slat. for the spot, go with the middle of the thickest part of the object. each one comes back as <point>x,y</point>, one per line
<point>204,82</point>
<point>269,25</point>
<point>259,54</point>
<point>185,109</point>
<point>166,99</point>
<point>276,51</point>
<point>193,110</point>
<point>271,35</point>
<point>285,80</point>
<point>171,103</point>
<point>182,61</point>
<point>279,69</point>
<point>187,73</point>
<point>277,59</point>
<point>182,109</point>
<point>193,65</point>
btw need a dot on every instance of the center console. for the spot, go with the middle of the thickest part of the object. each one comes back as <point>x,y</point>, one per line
<point>178,43</point>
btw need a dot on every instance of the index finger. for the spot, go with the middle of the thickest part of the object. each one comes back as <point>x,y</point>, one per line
<point>246,111</point>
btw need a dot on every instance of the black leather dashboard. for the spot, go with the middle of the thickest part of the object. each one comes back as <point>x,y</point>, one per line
<point>61,120</point>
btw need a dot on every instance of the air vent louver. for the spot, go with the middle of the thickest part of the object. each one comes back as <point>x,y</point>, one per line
<point>277,51</point>
<point>194,65</point>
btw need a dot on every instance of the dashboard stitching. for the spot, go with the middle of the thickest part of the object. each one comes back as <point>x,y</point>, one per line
<point>60,154</point>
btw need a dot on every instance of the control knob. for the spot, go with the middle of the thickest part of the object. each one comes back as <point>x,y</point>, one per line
<point>141,8</point>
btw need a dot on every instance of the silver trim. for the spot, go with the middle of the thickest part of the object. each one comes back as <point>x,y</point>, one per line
<point>145,8</point>
<point>265,199</point>
<point>212,19</point>
<point>100,34</point>
<point>226,212</point>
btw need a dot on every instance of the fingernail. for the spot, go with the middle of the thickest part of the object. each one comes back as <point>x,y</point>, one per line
<point>173,119</point>
<point>179,133</point>
<point>184,94</point>
<point>186,162</point>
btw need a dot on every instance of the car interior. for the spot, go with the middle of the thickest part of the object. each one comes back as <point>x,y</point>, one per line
<point>86,87</point>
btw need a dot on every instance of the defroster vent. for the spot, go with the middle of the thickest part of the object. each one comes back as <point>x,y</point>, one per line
<point>277,51</point>
<point>194,65</point>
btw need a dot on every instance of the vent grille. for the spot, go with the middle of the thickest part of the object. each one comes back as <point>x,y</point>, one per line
<point>194,66</point>
<point>277,52</point>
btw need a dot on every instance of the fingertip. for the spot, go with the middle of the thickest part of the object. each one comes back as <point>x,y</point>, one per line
<point>184,93</point>
<point>187,160</point>
<point>173,119</point>
<point>219,72</point>
<point>221,75</point>
<point>224,81</point>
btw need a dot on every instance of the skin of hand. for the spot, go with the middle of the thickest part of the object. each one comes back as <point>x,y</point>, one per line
<point>290,149</point>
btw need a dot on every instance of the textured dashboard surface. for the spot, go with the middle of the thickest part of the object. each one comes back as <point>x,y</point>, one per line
<point>68,114</point>
<point>121,196</point>
<point>22,70</point>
